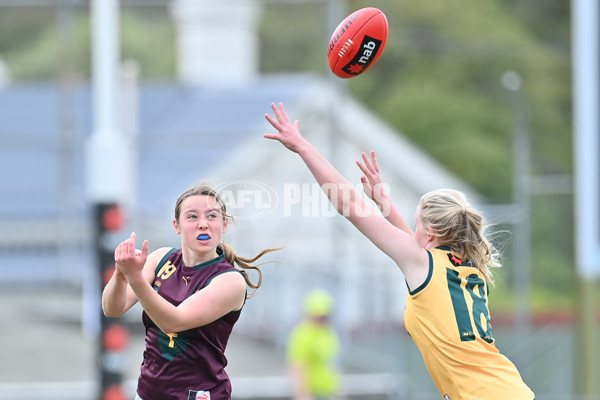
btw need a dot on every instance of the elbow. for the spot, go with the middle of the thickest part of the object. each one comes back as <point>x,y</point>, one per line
<point>110,313</point>
<point>169,327</point>
<point>173,323</point>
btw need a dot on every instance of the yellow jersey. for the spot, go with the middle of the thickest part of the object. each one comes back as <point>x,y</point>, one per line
<point>448,319</point>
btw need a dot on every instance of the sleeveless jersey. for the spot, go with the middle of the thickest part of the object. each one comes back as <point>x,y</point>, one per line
<point>448,319</point>
<point>189,364</point>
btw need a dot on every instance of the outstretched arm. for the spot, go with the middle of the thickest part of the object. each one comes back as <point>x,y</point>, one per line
<point>374,188</point>
<point>396,243</point>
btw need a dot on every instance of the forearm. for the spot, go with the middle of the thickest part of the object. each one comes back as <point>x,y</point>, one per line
<point>391,213</point>
<point>339,191</point>
<point>163,313</point>
<point>114,296</point>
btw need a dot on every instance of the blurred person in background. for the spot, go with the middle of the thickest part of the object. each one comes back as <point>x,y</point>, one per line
<point>312,350</point>
<point>191,297</point>
<point>446,264</point>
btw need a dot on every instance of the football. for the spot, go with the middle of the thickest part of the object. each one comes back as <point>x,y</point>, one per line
<point>357,43</point>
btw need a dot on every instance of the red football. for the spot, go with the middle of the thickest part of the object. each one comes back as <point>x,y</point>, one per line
<point>357,42</point>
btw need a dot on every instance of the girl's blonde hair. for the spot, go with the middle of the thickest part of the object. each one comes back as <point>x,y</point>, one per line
<point>450,217</point>
<point>243,263</point>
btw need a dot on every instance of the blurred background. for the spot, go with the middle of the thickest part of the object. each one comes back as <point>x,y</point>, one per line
<point>128,107</point>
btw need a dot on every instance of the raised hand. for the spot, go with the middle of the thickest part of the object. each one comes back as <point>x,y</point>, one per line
<point>130,261</point>
<point>371,180</point>
<point>288,133</point>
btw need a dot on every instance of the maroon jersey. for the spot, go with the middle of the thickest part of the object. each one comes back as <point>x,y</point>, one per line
<point>189,364</point>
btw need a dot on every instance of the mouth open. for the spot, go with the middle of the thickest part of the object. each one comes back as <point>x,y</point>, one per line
<point>203,237</point>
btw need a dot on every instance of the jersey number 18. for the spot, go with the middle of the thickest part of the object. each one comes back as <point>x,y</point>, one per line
<point>479,311</point>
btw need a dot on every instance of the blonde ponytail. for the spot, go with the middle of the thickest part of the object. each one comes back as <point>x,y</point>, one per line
<point>451,218</point>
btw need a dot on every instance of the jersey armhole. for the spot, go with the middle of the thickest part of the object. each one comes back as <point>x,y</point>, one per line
<point>163,260</point>
<point>224,272</point>
<point>429,274</point>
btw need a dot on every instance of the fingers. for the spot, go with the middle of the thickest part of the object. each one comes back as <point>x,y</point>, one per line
<point>273,122</point>
<point>362,167</point>
<point>279,112</point>
<point>274,136</point>
<point>374,160</point>
<point>367,169</point>
<point>145,249</point>
<point>372,163</point>
<point>126,250</point>
<point>281,117</point>
<point>131,244</point>
<point>279,122</point>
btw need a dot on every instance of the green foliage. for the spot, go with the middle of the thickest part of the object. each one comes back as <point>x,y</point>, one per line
<point>306,45</point>
<point>48,49</point>
<point>149,40</point>
<point>20,26</point>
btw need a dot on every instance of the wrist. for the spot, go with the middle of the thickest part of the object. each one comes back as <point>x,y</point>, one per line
<point>135,280</point>
<point>382,201</point>
<point>304,148</point>
<point>385,205</point>
<point>117,275</point>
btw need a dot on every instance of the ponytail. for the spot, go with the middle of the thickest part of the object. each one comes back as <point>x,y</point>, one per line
<point>462,228</point>
<point>244,264</point>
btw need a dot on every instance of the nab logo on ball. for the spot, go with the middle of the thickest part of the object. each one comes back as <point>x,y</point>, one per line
<point>363,58</point>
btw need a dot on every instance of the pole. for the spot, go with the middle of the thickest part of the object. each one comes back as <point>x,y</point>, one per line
<point>108,163</point>
<point>585,36</point>
<point>522,200</point>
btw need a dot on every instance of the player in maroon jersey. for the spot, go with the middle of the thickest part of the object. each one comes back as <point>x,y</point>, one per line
<point>191,298</point>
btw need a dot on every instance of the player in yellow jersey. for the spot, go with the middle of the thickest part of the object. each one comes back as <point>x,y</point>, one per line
<point>445,263</point>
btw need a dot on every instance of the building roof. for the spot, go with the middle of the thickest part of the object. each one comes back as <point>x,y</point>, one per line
<point>181,131</point>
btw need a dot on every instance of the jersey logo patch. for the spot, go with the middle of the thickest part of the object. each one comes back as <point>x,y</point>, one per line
<point>199,395</point>
<point>457,262</point>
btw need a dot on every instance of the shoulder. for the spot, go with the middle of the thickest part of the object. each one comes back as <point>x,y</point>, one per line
<point>153,261</point>
<point>417,268</point>
<point>228,277</point>
<point>158,257</point>
<point>160,253</point>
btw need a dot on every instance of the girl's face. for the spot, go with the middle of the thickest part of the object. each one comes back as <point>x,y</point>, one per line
<point>422,237</point>
<point>201,224</point>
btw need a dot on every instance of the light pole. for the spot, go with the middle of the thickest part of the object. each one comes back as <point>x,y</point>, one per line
<point>511,81</point>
